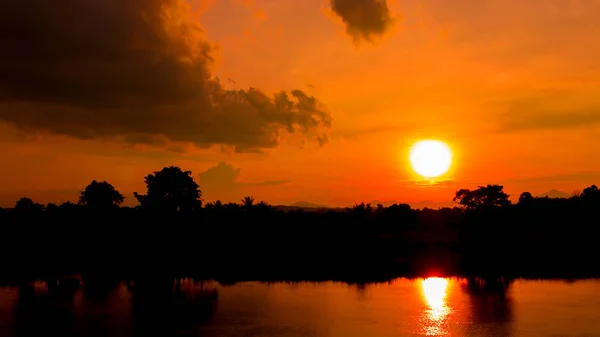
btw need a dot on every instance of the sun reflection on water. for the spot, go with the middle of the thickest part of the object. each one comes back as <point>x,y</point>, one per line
<point>434,291</point>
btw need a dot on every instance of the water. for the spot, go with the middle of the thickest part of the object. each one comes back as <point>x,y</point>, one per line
<point>422,307</point>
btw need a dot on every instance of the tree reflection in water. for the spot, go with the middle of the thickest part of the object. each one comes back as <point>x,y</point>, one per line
<point>158,307</point>
<point>490,302</point>
<point>46,312</point>
<point>171,308</point>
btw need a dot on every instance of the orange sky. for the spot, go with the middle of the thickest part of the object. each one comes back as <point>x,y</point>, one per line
<point>512,86</point>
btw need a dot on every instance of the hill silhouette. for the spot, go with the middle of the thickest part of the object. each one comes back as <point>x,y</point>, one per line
<point>306,204</point>
<point>555,194</point>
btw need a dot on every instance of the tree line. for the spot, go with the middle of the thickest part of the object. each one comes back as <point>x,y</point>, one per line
<point>174,190</point>
<point>171,231</point>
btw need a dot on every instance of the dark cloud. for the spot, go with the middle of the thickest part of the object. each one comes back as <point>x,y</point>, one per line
<point>50,143</point>
<point>223,180</point>
<point>364,19</point>
<point>137,69</point>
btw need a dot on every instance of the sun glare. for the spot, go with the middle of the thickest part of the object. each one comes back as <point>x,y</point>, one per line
<point>430,158</point>
<point>434,290</point>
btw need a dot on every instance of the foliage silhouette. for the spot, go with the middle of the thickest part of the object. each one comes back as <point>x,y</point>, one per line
<point>216,205</point>
<point>51,207</point>
<point>247,202</point>
<point>100,195</point>
<point>490,196</point>
<point>171,189</point>
<point>27,205</point>
<point>525,198</point>
<point>591,194</point>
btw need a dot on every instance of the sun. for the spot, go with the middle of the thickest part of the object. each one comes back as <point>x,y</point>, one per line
<point>430,158</point>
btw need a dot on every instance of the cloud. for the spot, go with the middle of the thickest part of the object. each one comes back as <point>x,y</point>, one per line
<point>52,144</point>
<point>136,69</point>
<point>222,176</point>
<point>551,111</point>
<point>558,178</point>
<point>364,19</point>
<point>551,120</point>
<point>223,180</point>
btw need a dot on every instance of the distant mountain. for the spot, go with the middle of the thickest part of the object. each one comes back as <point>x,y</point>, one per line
<point>384,203</point>
<point>555,194</point>
<point>305,204</point>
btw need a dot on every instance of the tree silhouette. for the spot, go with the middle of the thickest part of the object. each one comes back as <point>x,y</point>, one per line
<point>100,195</point>
<point>24,204</point>
<point>262,208</point>
<point>68,206</point>
<point>525,198</point>
<point>484,197</point>
<point>362,208</point>
<point>27,205</point>
<point>51,207</point>
<point>171,189</point>
<point>263,205</point>
<point>591,193</point>
<point>215,205</point>
<point>231,206</point>
<point>248,202</point>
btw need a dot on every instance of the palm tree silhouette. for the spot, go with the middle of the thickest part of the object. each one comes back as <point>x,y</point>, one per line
<point>248,202</point>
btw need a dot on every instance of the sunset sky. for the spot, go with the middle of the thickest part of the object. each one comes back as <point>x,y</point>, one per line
<point>113,90</point>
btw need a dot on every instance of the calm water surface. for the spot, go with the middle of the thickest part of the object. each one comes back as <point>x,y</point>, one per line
<point>422,307</point>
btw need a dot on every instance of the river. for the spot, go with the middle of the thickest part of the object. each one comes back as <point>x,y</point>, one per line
<point>402,307</point>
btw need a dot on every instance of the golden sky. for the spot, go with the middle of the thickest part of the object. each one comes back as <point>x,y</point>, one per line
<point>113,90</point>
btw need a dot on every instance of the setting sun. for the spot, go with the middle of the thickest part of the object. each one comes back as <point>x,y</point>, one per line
<point>430,158</point>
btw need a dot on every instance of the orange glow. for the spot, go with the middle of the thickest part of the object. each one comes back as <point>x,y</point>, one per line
<point>514,97</point>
